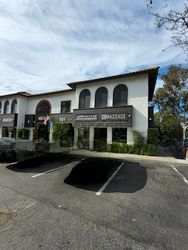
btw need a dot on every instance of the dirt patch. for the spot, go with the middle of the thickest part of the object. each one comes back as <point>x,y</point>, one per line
<point>5,217</point>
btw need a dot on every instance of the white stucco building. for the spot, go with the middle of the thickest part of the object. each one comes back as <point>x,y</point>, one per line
<point>108,108</point>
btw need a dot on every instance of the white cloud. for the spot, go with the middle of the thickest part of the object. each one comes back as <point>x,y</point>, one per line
<point>45,44</point>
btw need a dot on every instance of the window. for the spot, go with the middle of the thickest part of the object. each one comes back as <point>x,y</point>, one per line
<point>119,135</point>
<point>65,106</point>
<point>120,95</point>
<point>101,97</point>
<point>0,107</point>
<point>6,106</point>
<point>14,107</point>
<point>84,100</point>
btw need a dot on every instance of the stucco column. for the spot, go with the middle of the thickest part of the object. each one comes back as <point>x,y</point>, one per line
<point>51,135</point>
<point>75,138</point>
<point>0,132</point>
<point>110,97</point>
<point>109,136</point>
<point>130,139</point>
<point>91,138</point>
<point>92,99</point>
<point>31,134</point>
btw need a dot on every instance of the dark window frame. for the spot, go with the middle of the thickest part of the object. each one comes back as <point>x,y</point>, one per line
<point>99,95</point>
<point>6,106</point>
<point>68,107</point>
<point>13,105</point>
<point>84,103</point>
<point>120,95</point>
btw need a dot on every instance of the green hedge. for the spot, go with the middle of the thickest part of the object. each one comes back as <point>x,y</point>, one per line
<point>62,132</point>
<point>23,134</point>
<point>139,139</point>
<point>153,136</point>
<point>148,149</point>
<point>100,145</point>
<point>120,147</point>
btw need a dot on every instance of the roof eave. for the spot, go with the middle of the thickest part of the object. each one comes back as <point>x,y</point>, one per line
<point>134,73</point>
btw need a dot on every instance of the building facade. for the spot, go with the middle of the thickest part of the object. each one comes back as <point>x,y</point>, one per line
<point>107,109</point>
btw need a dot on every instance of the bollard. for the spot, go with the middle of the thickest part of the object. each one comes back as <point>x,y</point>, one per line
<point>186,153</point>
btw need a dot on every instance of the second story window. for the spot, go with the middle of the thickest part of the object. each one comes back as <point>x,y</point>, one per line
<point>84,99</point>
<point>65,106</point>
<point>101,97</point>
<point>14,107</point>
<point>0,107</point>
<point>6,107</point>
<point>120,95</point>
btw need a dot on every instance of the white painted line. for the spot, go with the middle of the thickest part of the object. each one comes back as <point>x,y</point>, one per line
<point>108,181</point>
<point>72,163</point>
<point>180,174</point>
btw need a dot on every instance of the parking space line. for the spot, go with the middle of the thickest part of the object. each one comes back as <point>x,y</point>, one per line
<point>72,164</point>
<point>108,181</point>
<point>180,174</point>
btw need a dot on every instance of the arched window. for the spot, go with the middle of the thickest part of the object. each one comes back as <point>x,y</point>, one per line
<point>14,107</point>
<point>120,95</point>
<point>101,97</point>
<point>0,107</point>
<point>84,100</point>
<point>43,108</point>
<point>6,107</point>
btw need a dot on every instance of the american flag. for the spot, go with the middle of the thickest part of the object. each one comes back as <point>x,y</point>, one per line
<point>46,120</point>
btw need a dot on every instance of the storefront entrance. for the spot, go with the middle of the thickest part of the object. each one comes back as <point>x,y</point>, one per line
<point>43,132</point>
<point>100,139</point>
<point>83,138</point>
<point>43,111</point>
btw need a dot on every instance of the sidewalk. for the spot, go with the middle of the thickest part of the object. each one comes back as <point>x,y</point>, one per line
<point>168,159</point>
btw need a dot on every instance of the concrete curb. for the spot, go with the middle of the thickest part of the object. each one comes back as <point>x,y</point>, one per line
<point>128,156</point>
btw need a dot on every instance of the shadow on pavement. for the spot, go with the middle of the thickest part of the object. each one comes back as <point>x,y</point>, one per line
<point>41,163</point>
<point>92,173</point>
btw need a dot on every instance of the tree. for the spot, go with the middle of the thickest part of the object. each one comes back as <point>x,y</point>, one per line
<point>172,103</point>
<point>62,133</point>
<point>172,98</point>
<point>169,127</point>
<point>177,23</point>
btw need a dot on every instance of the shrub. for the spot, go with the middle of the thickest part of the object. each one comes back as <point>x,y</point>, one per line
<point>149,149</point>
<point>130,149</point>
<point>117,147</point>
<point>62,133</point>
<point>100,145</point>
<point>23,134</point>
<point>120,147</point>
<point>153,136</point>
<point>137,150</point>
<point>139,139</point>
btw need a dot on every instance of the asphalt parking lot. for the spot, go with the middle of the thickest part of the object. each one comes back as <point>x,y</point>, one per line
<point>88,203</point>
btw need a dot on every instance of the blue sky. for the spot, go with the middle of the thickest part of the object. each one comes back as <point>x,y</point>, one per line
<point>45,44</point>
